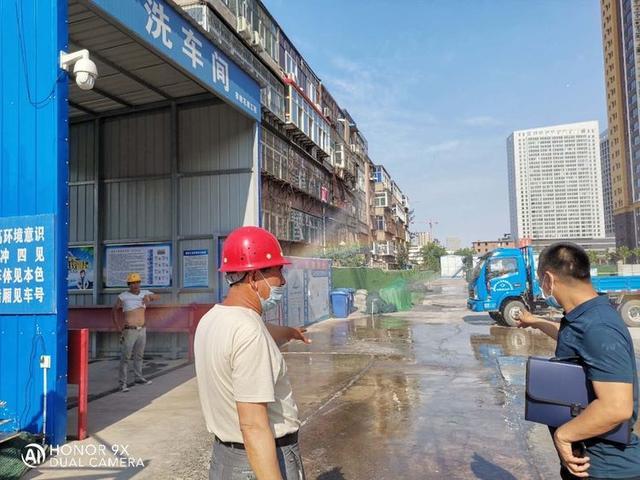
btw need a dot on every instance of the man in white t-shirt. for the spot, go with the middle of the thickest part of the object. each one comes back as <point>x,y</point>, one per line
<point>133,333</point>
<point>244,389</point>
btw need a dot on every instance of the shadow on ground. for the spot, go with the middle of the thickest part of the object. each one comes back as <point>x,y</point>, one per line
<point>485,470</point>
<point>482,319</point>
<point>333,474</point>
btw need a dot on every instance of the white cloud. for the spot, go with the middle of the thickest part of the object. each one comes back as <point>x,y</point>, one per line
<point>443,146</point>
<point>447,168</point>
<point>482,121</point>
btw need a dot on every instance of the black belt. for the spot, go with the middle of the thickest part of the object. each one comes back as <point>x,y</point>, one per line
<point>132,327</point>
<point>285,441</point>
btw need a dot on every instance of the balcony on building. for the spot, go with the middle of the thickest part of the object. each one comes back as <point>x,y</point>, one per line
<point>343,163</point>
<point>400,213</point>
<point>305,120</point>
<point>381,203</point>
<point>385,249</point>
<point>254,44</point>
<point>359,144</point>
<point>285,163</point>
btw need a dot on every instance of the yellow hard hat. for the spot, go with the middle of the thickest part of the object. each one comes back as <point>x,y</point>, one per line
<point>133,277</point>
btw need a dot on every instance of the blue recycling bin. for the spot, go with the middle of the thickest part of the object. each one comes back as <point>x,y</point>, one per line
<point>340,303</point>
<point>351,292</point>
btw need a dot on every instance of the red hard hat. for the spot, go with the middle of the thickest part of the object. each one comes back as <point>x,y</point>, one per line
<point>251,248</point>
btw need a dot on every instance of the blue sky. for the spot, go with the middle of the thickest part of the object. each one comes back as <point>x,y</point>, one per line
<point>437,86</point>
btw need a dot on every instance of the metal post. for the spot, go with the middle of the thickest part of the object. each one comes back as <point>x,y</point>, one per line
<point>324,230</point>
<point>98,227</point>
<point>173,128</point>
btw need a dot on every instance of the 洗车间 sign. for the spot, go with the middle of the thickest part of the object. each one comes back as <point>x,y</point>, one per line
<point>27,265</point>
<point>160,26</point>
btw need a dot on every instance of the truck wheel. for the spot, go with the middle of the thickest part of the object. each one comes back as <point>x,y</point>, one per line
<point>508,311</point>
<point>497,317</point>
<point>630,312</point>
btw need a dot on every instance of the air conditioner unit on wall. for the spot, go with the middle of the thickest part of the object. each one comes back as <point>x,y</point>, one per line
<point>244,28</point>
<point>257,42</point>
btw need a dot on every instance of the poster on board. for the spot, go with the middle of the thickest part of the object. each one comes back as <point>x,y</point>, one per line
<point>195,268</point>
<point>151,261</point>
<point>80,264</point>
<point>318,304</point>
<point>295,297</point>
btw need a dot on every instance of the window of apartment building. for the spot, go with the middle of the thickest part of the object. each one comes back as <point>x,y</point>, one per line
<point>312,92</point>
<point>377,174</point>
<point>269,35</point>
<point>381,199</point>
<point>379,222</point>
<point>290,66</point>
<point>308,120</point>
<point>232,5</point>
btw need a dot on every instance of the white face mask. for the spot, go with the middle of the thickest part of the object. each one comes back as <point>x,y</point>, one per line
<point>275,296</point>
<point>550,299</point>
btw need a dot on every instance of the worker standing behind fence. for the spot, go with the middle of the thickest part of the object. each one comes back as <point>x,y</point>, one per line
<point>133,333</point>
<point>244,388</point>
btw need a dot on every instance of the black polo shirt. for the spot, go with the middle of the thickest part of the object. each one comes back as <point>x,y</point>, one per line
<point>595,332</point>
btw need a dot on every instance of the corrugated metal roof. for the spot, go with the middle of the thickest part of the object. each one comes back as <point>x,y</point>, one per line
<point>130,75</point>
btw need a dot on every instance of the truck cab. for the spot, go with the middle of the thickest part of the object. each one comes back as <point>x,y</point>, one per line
<point>503,281</point>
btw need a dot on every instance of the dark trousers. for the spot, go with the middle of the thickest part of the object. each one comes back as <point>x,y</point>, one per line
<point>566,475</point>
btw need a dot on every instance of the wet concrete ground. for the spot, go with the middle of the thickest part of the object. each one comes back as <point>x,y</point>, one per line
<point>438,394</point>
<point>432,393</point>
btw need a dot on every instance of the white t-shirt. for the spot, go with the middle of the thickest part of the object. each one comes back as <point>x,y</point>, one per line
<point>237,360</point>
<point>131,301</point>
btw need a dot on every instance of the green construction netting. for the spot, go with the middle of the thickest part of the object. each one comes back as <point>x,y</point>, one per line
<point>383,291</point>
<point>11,465</point>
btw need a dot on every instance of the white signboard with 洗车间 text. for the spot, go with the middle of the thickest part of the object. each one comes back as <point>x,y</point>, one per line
<point>27,265</point>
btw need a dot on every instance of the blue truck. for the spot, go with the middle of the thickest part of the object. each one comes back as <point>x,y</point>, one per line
<point>505,281</point>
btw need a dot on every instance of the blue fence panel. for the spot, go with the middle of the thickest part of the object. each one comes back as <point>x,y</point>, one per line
<point>33,191</point>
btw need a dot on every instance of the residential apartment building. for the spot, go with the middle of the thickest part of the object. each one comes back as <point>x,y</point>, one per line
<point>390,219</point>
<point>620,49</point>
<point>420,239</point>
<point>485,246</point>
<point>453,244</point>
<point>316,172</point>
<point>607,196</point>
<point>555,183</point>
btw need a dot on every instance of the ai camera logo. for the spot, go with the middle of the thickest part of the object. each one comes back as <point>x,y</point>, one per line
<point>33,455</point>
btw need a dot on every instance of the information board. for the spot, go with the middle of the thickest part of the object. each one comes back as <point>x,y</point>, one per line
<point>195,268</point>
<point>151,261</point>
<point>27,265</point>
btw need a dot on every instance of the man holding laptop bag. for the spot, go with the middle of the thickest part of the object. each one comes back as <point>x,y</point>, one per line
<point>593,334</point>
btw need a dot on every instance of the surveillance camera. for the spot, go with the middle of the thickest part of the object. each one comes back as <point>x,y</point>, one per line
<point>86,73</point>
<point>84,70</point>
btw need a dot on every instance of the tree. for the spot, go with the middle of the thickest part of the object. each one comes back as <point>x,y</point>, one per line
<point>402,256</point>
<point>465,252</point>
<point>636,253</point>
<point>344,255</point>
<point>613,257</point>
<point>467,257</point>
<point>431,254</point>
<point>623,253</point>
<point>593,257</point>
